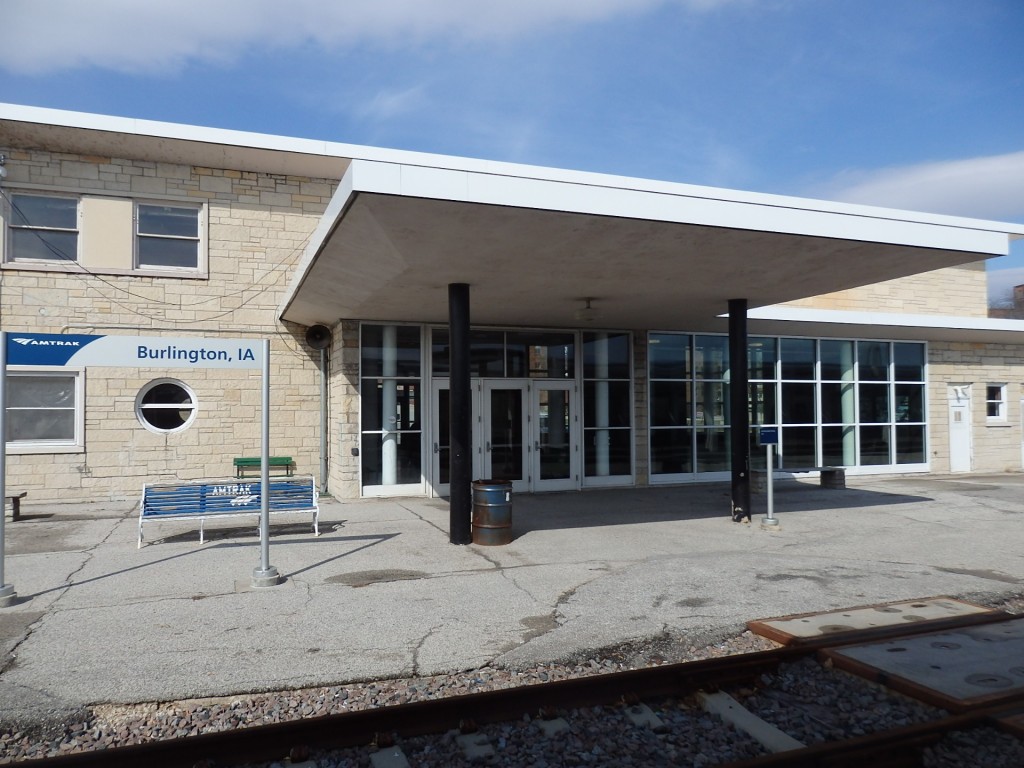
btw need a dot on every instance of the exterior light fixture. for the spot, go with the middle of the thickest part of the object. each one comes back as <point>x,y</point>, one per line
<point>587,314</point>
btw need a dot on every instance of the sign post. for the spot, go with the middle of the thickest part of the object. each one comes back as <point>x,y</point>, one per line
<point>7,593</point>
<point>81,351</point>
<point>769,438</point>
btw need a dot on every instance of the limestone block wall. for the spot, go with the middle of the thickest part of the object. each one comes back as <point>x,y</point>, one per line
<point>257,227</point>
<point>344,421</point>
<point>996,445</point>
<point>959,291</point>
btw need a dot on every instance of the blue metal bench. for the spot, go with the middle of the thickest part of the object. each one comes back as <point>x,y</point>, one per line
<point>225,498</point>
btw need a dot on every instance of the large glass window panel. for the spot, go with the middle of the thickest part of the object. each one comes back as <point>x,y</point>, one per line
<point>671,451</point>
<point>836,360</point>
<point>838,403</point>
<point>797,357</point>
<point>873,360</point>
<point>909,405</point>
<point>670,403</point>
<point>607,404</point>
<point>910,444</point>
<point>390,350</point>
<point>617,446</point>
<point>506,433</point>
<point>874,403</point>
<point>403,394</point>
<point>874,445</point>
<point>44,228</point>
<point>908,361</point>
<point>486,354</point>
<point>712,450</point>
<point>761,357</point>
<point>407,459</point>
<point>797,403</point>
<point>444,436</point>
<point>536,354</point>
<point>669,355</point>
<point>555,443</point>
<point>798,447</point>
<point>762,403</point>
<point>711,399</point>
<point>710,357</point>
<point>168,236</point>
<point>606,356</point>
<point>838,446</point>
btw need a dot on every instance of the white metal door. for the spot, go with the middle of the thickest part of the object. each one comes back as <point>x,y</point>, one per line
<point>505,435</point>
<point>554,425</point>
<point>440,460</point>
<point>959,427</point>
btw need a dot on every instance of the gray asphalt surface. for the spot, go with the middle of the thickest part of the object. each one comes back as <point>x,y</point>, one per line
<point>381,593</point>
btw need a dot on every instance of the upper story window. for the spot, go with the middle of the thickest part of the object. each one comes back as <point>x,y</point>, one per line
<point>43,228</point>
<point>167,237</point>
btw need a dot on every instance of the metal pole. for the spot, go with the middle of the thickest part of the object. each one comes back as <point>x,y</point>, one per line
<point>7,593</point>
<point>266,575</point>
<point>739,417</point>
<point>460,503</point>
<point>770,467</point>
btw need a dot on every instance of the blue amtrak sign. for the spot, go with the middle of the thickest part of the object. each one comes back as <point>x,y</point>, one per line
<point>51,349</point>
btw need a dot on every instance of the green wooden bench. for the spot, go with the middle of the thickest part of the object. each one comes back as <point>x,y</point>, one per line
<point>248,462</point>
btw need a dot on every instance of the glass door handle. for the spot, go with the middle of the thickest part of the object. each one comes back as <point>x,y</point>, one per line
<point>436,448</point>
<point>488,446</point>
<point>536,445</point>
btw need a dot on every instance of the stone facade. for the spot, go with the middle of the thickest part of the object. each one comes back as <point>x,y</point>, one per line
<point>996,443</point>
<point>257,226</point>
<point>958,291</point>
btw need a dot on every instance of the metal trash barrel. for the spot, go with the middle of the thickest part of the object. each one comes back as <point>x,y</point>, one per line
<point>492,512</point>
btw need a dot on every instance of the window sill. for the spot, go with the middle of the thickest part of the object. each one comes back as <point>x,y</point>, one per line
<point>29,450</point>
<point>76,268</point>
<point>998,424</point>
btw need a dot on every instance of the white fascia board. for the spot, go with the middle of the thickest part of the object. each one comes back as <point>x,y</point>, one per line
<point>888,319</point>
<point>681,204</point>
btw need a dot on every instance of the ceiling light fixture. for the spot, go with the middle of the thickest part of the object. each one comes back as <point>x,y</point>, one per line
<point>587,314</point>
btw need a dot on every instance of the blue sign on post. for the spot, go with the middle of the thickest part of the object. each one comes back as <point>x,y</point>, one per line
<point>768,436</point>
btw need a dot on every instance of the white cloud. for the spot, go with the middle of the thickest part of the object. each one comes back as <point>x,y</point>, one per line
<point>43,36</point>
<point>982,187</point>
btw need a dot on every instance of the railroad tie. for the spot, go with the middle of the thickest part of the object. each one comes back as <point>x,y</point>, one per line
<point>389,757</point>
<point>741,718</point>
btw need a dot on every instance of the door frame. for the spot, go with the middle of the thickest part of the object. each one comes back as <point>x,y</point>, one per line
<point>572,482</point>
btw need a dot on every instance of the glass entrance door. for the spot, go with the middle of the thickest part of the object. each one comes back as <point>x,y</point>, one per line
<point>505,447</point>
<point>440,469</point>
<point>555,449</point>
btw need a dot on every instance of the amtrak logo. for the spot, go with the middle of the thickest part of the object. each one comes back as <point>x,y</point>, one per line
<point>45,342</point>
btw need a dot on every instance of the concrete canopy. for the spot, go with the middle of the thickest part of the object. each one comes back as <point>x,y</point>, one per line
<point>648,255</point>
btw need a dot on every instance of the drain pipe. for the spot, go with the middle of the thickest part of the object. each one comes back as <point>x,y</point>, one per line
<point>323,420</point>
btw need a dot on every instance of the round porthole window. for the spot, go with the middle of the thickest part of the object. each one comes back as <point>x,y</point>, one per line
<point>165,405</point>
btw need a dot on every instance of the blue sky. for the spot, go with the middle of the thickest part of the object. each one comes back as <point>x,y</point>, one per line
<point>914,104</point>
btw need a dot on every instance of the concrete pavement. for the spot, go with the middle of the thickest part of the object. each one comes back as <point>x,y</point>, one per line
<point>381,593</point>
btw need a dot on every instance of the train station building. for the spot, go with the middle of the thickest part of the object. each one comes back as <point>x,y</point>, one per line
<point>435,319</point>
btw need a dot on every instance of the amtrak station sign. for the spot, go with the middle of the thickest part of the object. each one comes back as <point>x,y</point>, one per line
<point>68,350</point>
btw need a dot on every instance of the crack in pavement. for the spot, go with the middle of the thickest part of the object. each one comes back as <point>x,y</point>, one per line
<point>419,647</point>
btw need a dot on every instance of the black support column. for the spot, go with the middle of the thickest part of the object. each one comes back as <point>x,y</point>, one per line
<point>460,408</point>
<point>739,414</point>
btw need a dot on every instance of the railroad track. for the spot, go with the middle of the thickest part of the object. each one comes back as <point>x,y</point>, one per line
<point>660,715</point>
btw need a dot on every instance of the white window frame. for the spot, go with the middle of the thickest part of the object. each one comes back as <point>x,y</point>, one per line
<point>12,226</point>
<point>193,406</point>
<point>1000,404</point>
<point>77,443</point>
<point>199,239</point>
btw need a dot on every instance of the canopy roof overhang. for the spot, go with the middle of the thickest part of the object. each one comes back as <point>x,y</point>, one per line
<point>534,243</point>
<point>649,255</point>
